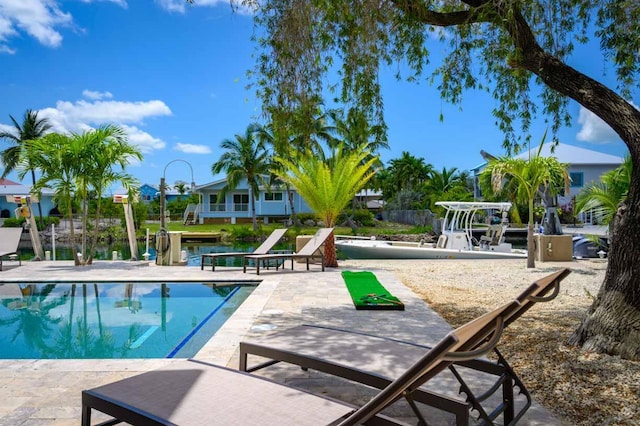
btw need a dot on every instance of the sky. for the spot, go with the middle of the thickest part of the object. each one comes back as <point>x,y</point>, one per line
<point>174,77</point>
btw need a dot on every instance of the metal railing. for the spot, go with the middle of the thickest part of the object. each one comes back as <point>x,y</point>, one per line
<point>192,210</point>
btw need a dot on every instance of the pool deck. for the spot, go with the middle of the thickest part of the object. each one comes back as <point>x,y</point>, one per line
<point>47,392</point>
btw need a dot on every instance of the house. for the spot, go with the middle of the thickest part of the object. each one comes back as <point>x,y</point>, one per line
<point>235,208</point>
<point>9,189</point>
<point>585,167</point>
<point>150,192</point>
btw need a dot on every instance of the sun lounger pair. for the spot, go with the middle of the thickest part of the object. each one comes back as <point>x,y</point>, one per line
<point>341,353</point>
<point>264,248</point>
<point>312,249</point>
<point>195,393</point>
<point>9,241</point>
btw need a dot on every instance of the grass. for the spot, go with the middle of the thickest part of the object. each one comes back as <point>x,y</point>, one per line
<point>247,229</point>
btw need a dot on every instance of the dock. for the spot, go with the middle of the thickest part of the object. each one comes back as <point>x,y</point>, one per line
<point>201,237</point>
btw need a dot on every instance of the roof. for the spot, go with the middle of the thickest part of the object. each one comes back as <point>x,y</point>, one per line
<point>569,154</point>
<point>574,155</point>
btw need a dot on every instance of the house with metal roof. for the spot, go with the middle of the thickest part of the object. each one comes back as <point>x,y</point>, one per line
<point>585,167</point>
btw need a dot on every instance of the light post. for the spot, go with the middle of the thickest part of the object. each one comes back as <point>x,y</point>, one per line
<point>163,242</point>
<point>162,190</point>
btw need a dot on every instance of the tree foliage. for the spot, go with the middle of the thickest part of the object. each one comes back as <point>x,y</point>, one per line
<point>603,198</point>
<point>245,157</point>
<point>526,177</point>
<point>518,50</point>
<point>78,166</point>
<point>328,186</point>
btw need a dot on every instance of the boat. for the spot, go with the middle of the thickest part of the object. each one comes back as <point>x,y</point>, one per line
<point>455,242</point>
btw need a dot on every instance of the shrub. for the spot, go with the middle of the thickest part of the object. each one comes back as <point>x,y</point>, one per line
<point>363,217</point>
<point>303,217</point>
<point>243,233</point>
<point>17,222</point>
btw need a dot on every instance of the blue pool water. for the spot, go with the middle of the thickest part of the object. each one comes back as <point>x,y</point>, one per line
<point>113,320</point>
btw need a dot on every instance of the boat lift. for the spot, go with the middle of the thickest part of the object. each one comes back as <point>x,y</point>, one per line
<point>24,210</point>
<point>131,228</point>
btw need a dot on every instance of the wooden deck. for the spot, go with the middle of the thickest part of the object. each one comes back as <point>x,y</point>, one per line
<point>201,236</point>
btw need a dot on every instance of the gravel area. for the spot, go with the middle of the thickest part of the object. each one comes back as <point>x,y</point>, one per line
<point>579,387</point>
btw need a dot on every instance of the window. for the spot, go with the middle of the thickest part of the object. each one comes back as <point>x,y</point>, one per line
<point>273,196</point>
<point>577,179</point>
<point>240,202</point>
<point>214,206</point>
<point>146,197</point>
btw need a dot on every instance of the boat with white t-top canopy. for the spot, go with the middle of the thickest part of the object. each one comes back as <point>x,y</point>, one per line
<point>455,242</point>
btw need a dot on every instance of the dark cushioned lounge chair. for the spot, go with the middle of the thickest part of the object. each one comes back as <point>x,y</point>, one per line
<point>341,352</point>
<point>312,249</point>
<point>195,393</point>
<point>264,248</point>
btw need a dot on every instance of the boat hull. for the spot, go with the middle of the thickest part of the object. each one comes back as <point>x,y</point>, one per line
<point>388,250</point>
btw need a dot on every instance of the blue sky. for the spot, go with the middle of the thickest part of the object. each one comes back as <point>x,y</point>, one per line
<point>174,77</point>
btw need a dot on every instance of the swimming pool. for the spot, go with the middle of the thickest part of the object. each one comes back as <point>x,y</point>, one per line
<point>113,320</point>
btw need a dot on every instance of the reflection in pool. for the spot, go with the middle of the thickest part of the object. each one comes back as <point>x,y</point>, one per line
<point>113,320</point>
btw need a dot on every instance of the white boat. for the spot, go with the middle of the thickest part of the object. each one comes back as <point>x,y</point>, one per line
<point>455,242</point>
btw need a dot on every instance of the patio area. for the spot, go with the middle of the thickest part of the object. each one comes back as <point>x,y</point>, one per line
<point>48,391</point>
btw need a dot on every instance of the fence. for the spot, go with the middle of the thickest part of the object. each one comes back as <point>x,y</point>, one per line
<point>412,217</point>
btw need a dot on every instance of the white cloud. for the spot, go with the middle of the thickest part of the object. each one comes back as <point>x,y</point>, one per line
<point>181,6</point>
<point>6,49</point>
<point>71,115</point>
<point>82,115</point>
<point>7,129</point>
<point>122,3</point>
<point>38,18</point>
<point>90,94</point>
<point>593,129</point>
<point>188,148</point>
<point>143,140</point>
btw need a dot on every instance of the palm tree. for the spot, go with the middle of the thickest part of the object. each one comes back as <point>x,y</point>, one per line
<point>32,128</point>
<point>181,187</point>
<point>76,165</point>
<point>281,144</point>
<point>245,157</point>
<point>328,185</point>
<point>311,126</point>
<point>354,131</point>
<point>409,172</point>
<point>112,153</point>
<point>604,198</point>
<point>528,176</point>
<point>57,156</point>
<point>441,183</point>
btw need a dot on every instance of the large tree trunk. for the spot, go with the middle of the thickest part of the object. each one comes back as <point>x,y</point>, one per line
<point>612,324</point>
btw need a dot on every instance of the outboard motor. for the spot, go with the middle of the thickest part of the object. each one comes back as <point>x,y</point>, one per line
<point>586,248</point>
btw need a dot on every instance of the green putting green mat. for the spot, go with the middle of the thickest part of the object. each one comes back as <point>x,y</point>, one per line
<point>367,292</point>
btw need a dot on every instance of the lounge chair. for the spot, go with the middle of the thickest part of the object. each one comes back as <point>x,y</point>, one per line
<point>310,250</point>
<point>9,241</point>
<point>264,248</point>
<point>339,352</point>
<point>195,393</point>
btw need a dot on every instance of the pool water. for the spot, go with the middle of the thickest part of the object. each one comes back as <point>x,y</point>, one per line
<point>113,320</point>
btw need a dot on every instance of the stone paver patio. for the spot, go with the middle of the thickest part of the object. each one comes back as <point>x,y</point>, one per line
<point>34,392</point>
